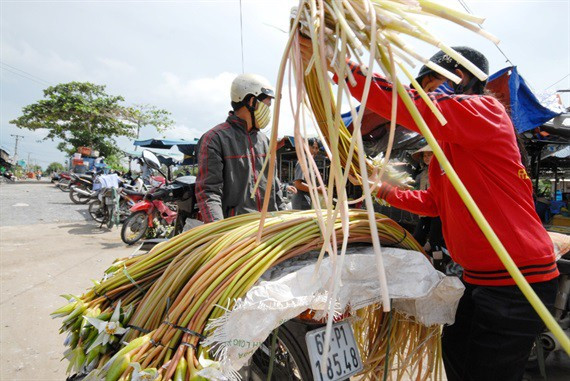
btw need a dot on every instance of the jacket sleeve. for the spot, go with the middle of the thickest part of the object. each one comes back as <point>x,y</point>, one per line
<point>210,179</point>
<point>278,189</point>
<point>420,202</point>
<point>471,119</point>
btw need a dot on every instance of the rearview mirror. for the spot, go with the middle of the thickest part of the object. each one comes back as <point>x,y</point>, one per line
<point>150,159</point>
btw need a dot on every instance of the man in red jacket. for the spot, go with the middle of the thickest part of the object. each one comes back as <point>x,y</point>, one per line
<point>495,325</point>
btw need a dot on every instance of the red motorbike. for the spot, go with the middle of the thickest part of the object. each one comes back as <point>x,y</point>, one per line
<point>64,181</point>
<point>151,217</point>
<point>164,212</point>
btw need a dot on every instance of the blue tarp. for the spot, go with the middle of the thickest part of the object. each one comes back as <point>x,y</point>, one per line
<point>162,143</point>
<point>188,148</point>
<point>347,116</point>
<point>526,111</point>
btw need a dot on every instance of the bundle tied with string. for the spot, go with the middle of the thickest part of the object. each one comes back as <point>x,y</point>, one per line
<point>338,29</point>
<point>150,314</point>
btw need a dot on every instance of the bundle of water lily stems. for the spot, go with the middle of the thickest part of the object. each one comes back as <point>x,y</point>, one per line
<point>339,29</point>
<point>149,313</point>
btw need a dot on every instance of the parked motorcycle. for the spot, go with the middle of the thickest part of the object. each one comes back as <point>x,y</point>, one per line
<point>63,181</point>
<point>99,210</point>
<point>546,343</point>
<point>296,348</point>
<point>9,176</point>
<point>163,212</point>
<point>81,186</point>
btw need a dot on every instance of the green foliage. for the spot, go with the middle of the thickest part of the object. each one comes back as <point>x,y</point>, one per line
<point>83,114</point>
<point>54,167</point>
<point>185,171</point>
<point>18,171</point>
<point>34,168</point>
<point>114,162</point>
<point>80,114</point>
<point>147,115</point>
<point>544,188</point>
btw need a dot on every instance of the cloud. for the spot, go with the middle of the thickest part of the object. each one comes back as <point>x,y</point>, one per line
<point>117,66</point>
<point>183,132</point>
<point>213,91</point>
<point>48,65</point>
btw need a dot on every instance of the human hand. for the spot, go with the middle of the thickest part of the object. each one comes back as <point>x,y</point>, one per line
<point>291,189</point>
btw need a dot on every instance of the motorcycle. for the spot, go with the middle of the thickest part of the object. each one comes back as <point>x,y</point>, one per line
<point>163,212</point>
<point>9,176</point>
<point>100,212</point>
<point>63,181</point>
<point>546,343</point>
<point>294,350</point>
<point>80,191</point>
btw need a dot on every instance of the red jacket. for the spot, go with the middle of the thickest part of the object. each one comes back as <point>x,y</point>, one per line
<point>480,143</point>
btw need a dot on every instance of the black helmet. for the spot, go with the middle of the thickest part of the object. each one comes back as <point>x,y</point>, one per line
<point>445,61</point>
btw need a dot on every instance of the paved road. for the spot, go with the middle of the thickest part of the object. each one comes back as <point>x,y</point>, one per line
<point>47,248</point>
<point>37,203</point>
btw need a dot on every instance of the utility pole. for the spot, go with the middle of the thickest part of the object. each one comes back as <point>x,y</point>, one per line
<point>28,162</point>
<point>17,137</point>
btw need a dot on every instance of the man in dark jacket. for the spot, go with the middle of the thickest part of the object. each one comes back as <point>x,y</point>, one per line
<point>231,155</point>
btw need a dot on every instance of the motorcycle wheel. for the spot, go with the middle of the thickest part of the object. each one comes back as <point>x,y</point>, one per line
<point>124,210</point>
<point>78,198</point>
<point>532,363</point>
<point>134,228</point>
<point>291,360</point>
<point>63,185</point>
<point>97,211</point>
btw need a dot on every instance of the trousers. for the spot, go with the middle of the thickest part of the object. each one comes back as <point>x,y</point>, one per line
<point>494,330</point>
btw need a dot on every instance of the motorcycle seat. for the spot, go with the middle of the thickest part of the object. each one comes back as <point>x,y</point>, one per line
<point>185,180</point>
<point>132,192</point>
<point>563,266</point>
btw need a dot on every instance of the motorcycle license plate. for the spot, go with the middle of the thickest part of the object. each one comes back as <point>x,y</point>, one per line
<point>343,359</point>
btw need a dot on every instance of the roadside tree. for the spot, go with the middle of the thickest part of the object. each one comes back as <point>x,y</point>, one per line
<point>83,114</point>
<point>54,167</point>
<point>148,115</point>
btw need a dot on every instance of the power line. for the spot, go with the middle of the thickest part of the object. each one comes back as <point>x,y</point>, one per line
<point>25,72</point>
<point>26,77</point>
<point>464,4</point>
<point>557,82</point>
<point>468,10</point>
<point>241,35</point>
<point>276,27</point>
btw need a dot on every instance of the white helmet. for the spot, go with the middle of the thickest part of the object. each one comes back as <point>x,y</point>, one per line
<point>254,84</point>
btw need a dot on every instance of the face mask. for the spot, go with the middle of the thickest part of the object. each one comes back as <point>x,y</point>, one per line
<point>262,115</point>
<point>444,88</point>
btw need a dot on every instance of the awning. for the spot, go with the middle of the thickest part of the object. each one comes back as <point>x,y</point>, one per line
<point>524,107</point>
<point>162,143</point>
<point>188,148</point>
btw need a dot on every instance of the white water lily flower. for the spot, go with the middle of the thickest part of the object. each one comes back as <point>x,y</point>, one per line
<point>107,329</point>
<point>148,374</point>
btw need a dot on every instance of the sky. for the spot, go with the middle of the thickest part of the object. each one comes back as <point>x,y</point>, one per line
<point>182,55</point>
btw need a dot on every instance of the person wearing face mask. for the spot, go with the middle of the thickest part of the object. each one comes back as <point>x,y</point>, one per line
<point>231,155</point>
<point>495,325</point>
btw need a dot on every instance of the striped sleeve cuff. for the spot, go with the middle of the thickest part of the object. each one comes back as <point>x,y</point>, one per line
<point>384,190</point>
